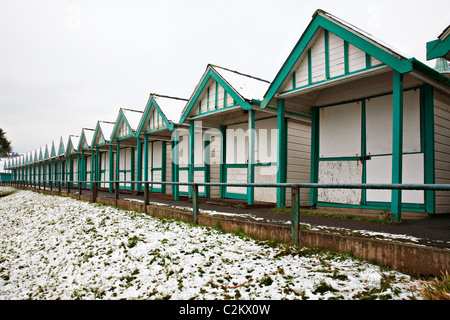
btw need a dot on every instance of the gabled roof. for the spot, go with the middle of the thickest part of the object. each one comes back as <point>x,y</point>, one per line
<point>85,139</point>
<point>130,119</point>
<point>72,144</point>
<point>104,129</point>
<point>243,88</point>
<point>349,33</point>
<point>62,146</point>
<point>169,109</point>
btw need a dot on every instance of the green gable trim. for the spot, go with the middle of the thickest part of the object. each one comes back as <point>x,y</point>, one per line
<point>211,73</point>
<point>398,64</point>
<point>438,48</point>
<point>152,103</point>
<point>116,126</point>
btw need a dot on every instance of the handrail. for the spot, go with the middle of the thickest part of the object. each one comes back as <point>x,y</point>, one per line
<point>295,191</point>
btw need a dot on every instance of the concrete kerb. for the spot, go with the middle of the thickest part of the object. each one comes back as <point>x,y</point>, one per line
<point>411,259</point>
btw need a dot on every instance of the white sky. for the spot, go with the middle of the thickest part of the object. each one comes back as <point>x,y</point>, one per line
<point>64,64</point>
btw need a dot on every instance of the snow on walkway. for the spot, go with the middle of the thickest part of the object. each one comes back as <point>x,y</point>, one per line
<point>59,248</point>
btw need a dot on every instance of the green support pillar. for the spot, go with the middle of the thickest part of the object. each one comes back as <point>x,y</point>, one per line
<point>397,145</point>
<point>139,163</point>
<point>145,158</point>
<point>251,157</point>
<point>428,115</point>
<point>111,168</point>
<point>163,165</point>
<point>191,155</point>
<point>118,163</point>
<point>281,153</point>
<point>176,166</point>
<point>133,169</point>
<point>223,158</point>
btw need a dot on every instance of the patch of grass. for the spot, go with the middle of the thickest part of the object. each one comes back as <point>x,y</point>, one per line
<point>437,289</point>
<point>6,191</point>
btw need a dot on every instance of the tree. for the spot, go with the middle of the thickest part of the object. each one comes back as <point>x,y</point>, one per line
<point>5,144</point>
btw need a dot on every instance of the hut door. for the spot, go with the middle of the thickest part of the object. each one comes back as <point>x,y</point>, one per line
<point>340,152</point>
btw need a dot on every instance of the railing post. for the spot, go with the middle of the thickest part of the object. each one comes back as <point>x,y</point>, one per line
<point>94,192</point>
<point>116,191</point>
<point>79,190</point>
<point>295,214</point>
<point>146,195</point>
<point>195,201</point>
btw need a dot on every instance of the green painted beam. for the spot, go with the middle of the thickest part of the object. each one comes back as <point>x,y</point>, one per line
<point>427,100</point>
<point>281,152</point>
<point>397,144</point>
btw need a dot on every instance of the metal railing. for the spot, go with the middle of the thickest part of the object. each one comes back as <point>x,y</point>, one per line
<point>295,191</point>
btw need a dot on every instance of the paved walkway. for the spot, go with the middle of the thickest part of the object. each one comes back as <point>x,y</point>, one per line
<point>433,231</point>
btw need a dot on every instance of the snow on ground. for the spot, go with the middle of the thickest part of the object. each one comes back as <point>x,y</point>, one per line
<point>366,233</point>
<point>60,248</point>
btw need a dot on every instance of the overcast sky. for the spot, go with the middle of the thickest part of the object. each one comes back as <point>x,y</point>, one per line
<point>64,64</point>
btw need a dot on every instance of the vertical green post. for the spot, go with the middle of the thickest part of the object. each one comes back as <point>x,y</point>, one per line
<point>117,164</point>
<point>163,166</point>
<point>281,152</point>
<point>427,101</point>
<point>176,166</point>
<point>195,202</point>
<point>251,157</point>
<point>111,168</point>
<point>206,163</point>
<point>191,155</point>
<point>139,163</point>
<point>146,161</point>
<point>397,144</point>
<point>133,168</point>
<point>223,157</point>
<point>295,214</point>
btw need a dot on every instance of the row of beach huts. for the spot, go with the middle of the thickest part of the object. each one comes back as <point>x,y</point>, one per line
<point>343,108</point>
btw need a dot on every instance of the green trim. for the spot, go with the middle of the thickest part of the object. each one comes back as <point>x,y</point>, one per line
<point>326,80</point>
<point>368,59</point>
<point>399,64</point>
<point>192,152</point>
<point>211,73</point>
<point>294,80</point>
<point>412,207</point>
<point>215,110</point>
<point>223,157</point>
<point>397,144</point>
<point>438,48</point>
<point>327,55</point>
<point>281,152</point>
<point>239,196</point>
<point>152,103</point>
<point>427,100</point>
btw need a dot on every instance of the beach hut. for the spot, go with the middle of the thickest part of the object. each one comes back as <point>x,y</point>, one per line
<point>85,152</point>
<point>376,117</point>
<point>225,125</point>
<point>72,159</point>
<point>154,134</point>
<point>104,163</point>
<point>123,136</point>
